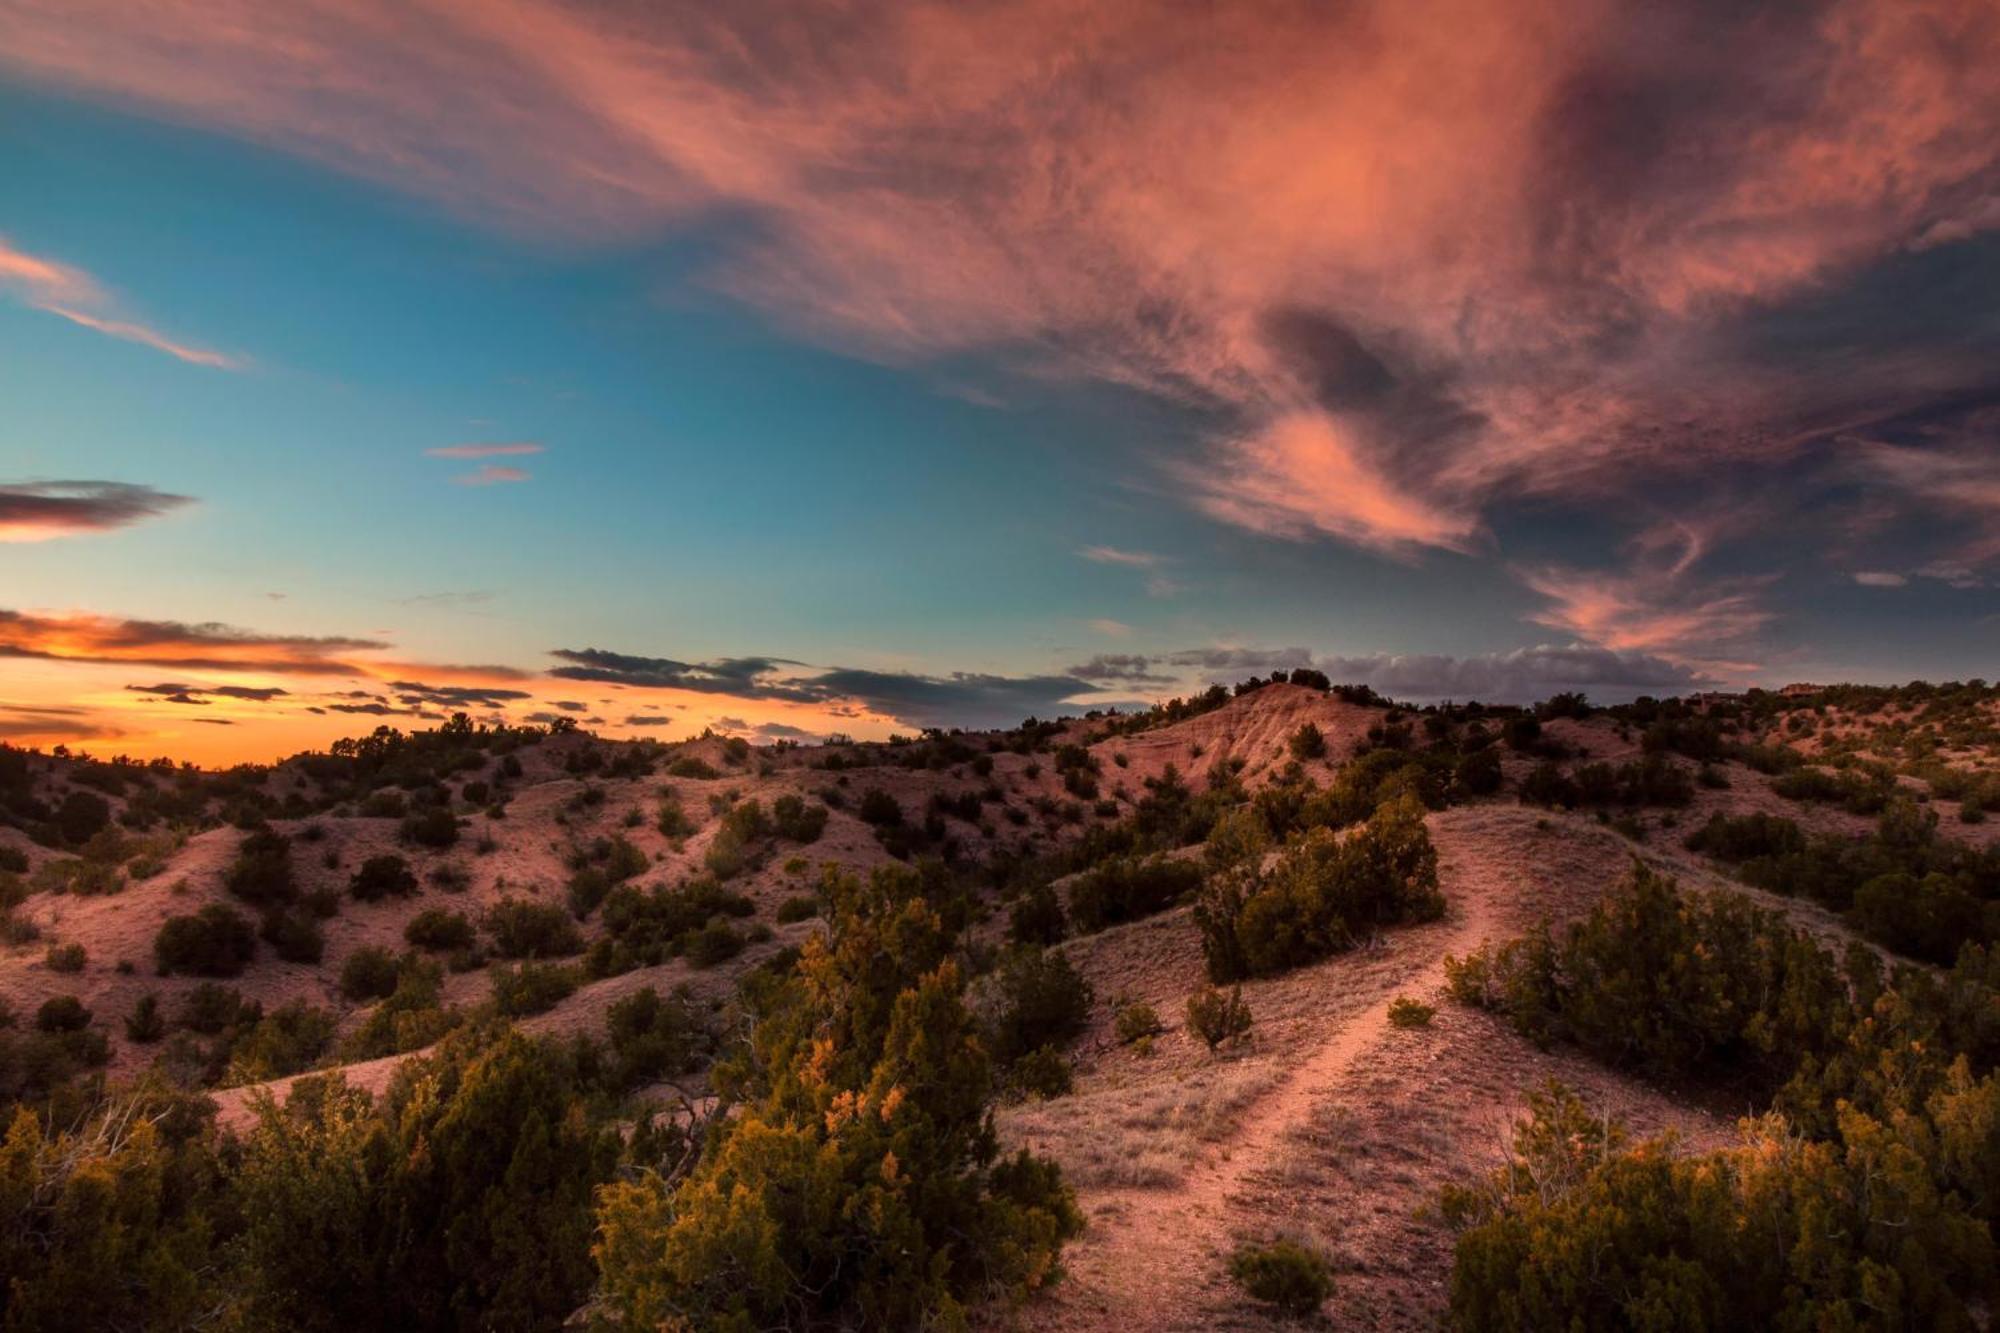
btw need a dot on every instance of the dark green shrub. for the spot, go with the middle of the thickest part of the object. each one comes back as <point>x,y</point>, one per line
<point>532,988</point>
<point>1037,917</point>
<point>1865,1230</point>
<point>653,1038</point>
<point>1135,1022</point>
<point>1127,888</point>
<point>588,887</point>
<point>673,822</point>
<point>211,1008</point>
<point>289,1039</point>
<point>368,974</point>
<point>62,1013</point>
<point>409,1018</point>
<point>1324,894</point>
<point>644,928</point>
<point>66,958</point>
<point>716,942</point>
<point>294,936</point>
<point>875,1009</point>
<point>1307,743</point>
<point>261,874</point>
<point>1215,1018</point>
<point>1405,1012</point>
<point>214,942</point>
<point>801,907</point>
<point>435,827</point>
<point>381,877</point>
<point>1039,999</point>
<point>1745,837</point>
<point>81,817</point>
<point>796,821</point>
<point>692,766</point>
<point>1043,1072</point>
<point>1284,1274</point>
<point>440,930</point>
<point>1478,773</point>
<point>879,808</point>
<point>146,1024</point>
<point>461,1198</point>
<point>524,929</point>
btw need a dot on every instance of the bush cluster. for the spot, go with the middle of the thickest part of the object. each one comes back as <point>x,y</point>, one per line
<point>1324,894</point>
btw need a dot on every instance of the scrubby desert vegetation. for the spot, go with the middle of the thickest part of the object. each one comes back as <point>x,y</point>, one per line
<point>1277,1003</point>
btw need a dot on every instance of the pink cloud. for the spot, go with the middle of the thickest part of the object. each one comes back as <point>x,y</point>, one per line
<point>59,289</point>
<point>1112,555</point>
<point>1304,475</point>
<point>491,474</point>
<point>1531,216</point>
<point>484,450</point>
<point>1658,604</point>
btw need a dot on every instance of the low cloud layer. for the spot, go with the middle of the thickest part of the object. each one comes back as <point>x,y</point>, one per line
<point>1521,676</point>
<point>32,511</point>
<point>960,698</point>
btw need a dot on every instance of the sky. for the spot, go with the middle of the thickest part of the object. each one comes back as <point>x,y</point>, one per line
<point>798,370</point>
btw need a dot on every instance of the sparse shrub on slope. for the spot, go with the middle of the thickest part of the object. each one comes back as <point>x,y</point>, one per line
<point>1286,1275</point>
<point>524,929</point>
<point>460,1199</point>
<point>1668,984</point>
<point>440,930</point>
<point>261,874</point>
<point>1903,885</point>
<point>1324,894</point>
<point>1037,916</point>
<point>214,942</point>
<point>1216,1017</point>
<point>1867,1229</point>
<point>835,1195</point>
<point>796,820</point>
<point>645,927</point>
<point>1127,888</point>
<point>435,828</point>
<point>655,1037</point>
<point>530,987</point>
<point>1478,773</point>
<point>1039,999</point>
<point>381,877</point>
<point>368,974</point>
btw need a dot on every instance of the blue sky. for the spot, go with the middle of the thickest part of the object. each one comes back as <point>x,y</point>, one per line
<point>808,391</point>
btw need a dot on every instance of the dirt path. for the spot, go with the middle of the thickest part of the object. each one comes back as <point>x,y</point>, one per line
<point>1154,1258</point>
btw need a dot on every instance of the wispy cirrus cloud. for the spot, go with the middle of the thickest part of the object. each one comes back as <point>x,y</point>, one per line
<point>498,450</point>
<point>70,293</point>
<point>33,511</point>
<point>1112,555</point>
<point>1659,602</point>
<point>492,474</point>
